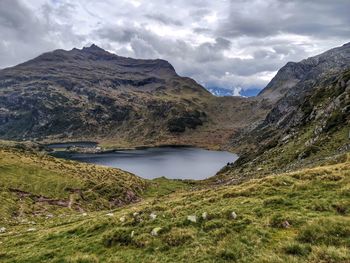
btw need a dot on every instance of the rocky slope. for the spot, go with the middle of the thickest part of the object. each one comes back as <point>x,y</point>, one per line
<point>92,94</point>
<point>310,122</point>
<point>295,76</point>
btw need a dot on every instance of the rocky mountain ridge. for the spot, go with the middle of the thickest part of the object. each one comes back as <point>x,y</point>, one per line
<point>310,122</point>
<point>294,75</point>
<point>91,94</point>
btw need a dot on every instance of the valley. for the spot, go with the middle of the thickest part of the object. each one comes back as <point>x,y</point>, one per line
<point>285,199</point>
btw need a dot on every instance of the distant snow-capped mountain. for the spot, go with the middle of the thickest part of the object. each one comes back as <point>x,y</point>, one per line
<point>220,92</point>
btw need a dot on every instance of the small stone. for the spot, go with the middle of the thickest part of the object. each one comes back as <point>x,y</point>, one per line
<point>259,169</point>
<point>84,214</point>
<point>135,214</point>
<point>156,231</point>
<point>192,219</point>
<point>132,234</point>
<point>233,215</point>
<point>109,214</point>
<point>122,219</point>
<point>153,216</point>
<point>31,229</point>
<point>285,224</point>
<point>2,229</point>
<point>204,215</point>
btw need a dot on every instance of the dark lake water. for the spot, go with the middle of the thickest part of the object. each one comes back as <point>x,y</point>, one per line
<point>170,162</point>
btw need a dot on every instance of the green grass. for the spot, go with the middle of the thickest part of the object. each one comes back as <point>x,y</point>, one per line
<point>32,183</point>
<point>314,202</point>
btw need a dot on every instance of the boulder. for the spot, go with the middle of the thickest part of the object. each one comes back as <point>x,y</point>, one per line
<point>155,231</point>
<point>233,215</point>
<point>192,218</point>
<point>204,215</point>
<point>285,224</point>
<point>153,216</point>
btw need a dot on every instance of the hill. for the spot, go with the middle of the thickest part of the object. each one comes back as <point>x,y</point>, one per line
<point>91,94</point>
<point>34,184</point>
<point>301,216</point>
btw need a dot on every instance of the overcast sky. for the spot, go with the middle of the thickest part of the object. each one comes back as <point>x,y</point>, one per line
<point>235,44</point>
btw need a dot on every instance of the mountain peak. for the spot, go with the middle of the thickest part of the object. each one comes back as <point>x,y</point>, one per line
<point>93,48</point>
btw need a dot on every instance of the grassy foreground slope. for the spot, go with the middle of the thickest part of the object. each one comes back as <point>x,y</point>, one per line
<point>301,216</point>
<point>37,185</point>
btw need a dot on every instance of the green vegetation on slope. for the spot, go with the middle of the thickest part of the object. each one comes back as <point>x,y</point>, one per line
<point>34,184</point>
<point>300,216</point>
<point>315,129</point>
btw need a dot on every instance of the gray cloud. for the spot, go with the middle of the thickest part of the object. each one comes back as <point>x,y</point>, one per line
<point>164,19</point>
<point>271,17</point>
<point>228,43</point>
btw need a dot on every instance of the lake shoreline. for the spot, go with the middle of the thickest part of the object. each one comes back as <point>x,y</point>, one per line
<point>179,162</point>
<point>112,149</point>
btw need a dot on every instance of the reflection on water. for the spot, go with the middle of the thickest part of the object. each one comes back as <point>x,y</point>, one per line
<point>170,162</point>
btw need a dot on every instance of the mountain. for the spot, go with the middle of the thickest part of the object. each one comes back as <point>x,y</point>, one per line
<point>309,123</point>
<point>91,94</point>
<point>296,74</point>
<point>220,92</point>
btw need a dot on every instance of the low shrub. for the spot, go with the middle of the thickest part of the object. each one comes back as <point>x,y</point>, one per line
<point>117,237</point>
<point>82,258</point>
<point>330,254</point>
<point>178,237</point>
<point>326,231</point>
<point>297,249</point>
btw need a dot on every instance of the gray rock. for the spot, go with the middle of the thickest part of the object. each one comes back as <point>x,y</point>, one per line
<point>285,224</point>
<point>153,216</point>
<point>233,215</point>
<point>155,231</point>
<point>192,218</point>
<point>204,215</point>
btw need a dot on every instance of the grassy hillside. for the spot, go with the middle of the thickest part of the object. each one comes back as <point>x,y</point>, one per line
<point>37,185</point>
<point>301,216</point>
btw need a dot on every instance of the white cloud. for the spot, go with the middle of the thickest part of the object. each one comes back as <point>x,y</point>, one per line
<point>227,43</point>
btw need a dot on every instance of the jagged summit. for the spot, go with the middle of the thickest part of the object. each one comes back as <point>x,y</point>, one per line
<point>93,47</point>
